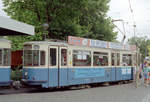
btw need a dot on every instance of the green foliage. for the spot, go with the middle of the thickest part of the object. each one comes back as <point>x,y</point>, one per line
<point>16,74</point>
<point>84,18</point>
<point>142,43</point>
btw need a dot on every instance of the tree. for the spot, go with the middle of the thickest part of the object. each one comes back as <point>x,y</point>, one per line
<point>84,18</point>
<point>142,43</point>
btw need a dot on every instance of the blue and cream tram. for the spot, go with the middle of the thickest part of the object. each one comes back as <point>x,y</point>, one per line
<point>80,61</point>
<point>5,57</point>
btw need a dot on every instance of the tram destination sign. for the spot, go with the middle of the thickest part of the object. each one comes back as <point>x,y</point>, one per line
<point>98,43</point>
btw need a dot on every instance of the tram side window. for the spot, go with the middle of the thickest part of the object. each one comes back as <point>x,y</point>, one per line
<point>28,57</point>
<point>127,60</point>
<point>0,57</point>
<point>112,59</point>
<point>115,59</point>
<point>42,58</point>
<point>5,57</point>
<point>6,60</point>
<point>63,57</point>
<point>118,59</point>
<point>34,57</point>
<point>100,59</point>
<point>53,56</point>
<point>81,58</point>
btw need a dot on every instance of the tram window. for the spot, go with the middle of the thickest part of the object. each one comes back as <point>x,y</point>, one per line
<point>0,57</point>
<point>81,58</point>
<point>28,57</point>
<point>35,57</point>
<point>118,59</point>
<point>127,60</point>
<point>100,59</point>
<point>115,59</point>
<point>112,59</point>
<point>63,57</point>
<point>53,56</point>
<point>42,58</point>
<point>6,60</point>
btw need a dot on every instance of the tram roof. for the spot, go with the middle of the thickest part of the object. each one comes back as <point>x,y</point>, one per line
<point>63,43</point>
<point>47,42</point>
<point>12,27</point>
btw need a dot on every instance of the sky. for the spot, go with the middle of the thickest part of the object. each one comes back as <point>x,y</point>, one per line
<point>120,9</point>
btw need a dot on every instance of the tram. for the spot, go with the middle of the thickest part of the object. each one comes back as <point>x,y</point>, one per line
<point>78,61</point>
<point>5,67</point>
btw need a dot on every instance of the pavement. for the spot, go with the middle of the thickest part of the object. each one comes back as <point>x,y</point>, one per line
<point>112,93</point>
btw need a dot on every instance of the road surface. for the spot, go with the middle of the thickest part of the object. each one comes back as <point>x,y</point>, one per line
<point>114,93</point>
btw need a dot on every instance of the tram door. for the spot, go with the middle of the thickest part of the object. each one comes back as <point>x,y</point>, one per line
<point>53,66</point>
<point>115,62</point>
<point>57,70</point>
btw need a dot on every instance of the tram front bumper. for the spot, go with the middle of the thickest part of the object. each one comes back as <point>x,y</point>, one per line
<point>36,82</point>
<point>5,82</point>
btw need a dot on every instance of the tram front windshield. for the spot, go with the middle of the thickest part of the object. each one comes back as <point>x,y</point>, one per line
<point>34,58</point>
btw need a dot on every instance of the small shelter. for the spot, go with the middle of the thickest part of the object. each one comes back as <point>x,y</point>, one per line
<point>10,27</point>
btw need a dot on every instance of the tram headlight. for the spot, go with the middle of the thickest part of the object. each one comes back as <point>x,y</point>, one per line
<point>26,74</point>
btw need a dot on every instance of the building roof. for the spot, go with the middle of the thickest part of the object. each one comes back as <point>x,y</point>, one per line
<point>12,27</point>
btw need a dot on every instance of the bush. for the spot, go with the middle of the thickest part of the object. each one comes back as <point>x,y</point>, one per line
<point>16,74</point>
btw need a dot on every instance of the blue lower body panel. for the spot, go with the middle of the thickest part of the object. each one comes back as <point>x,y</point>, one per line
<point>54,77</point>
<point>90,75</point>
<point>36,76</point>
<point>5,76</point>
<point>125,73</point>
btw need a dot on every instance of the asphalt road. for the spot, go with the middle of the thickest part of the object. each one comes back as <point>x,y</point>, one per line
<point>114,93</point>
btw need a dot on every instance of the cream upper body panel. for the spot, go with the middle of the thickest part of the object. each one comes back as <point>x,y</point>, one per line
<point>5,43</point>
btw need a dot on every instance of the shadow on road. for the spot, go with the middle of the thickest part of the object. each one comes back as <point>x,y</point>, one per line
<point>7,91</point>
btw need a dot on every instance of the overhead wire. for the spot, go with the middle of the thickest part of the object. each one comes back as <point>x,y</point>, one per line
<point>133,17</point>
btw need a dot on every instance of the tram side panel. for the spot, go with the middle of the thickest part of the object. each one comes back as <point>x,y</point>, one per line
<point>35,69</point>
<point>124,73</point>
<point>5,76</point>
<point>5,69</point>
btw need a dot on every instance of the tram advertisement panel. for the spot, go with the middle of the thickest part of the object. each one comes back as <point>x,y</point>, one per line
<point>99,44</point>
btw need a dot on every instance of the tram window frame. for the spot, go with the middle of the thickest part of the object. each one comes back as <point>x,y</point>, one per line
<point>31,57</point>
<point>80,56</point>
<point>100,54</point>
<point>130,62</point>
